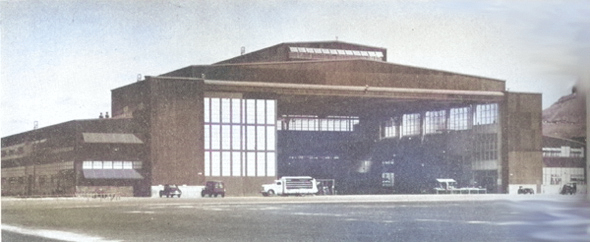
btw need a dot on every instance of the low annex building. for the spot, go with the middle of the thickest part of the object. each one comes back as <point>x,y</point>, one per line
<point>75,157</point>
<point>330,110</point>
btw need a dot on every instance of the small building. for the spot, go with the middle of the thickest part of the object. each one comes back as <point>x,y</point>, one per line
<point>564,163</point>
<point>75,157</point>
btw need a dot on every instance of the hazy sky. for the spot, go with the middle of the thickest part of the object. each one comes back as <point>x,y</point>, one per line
<point>61,59</point>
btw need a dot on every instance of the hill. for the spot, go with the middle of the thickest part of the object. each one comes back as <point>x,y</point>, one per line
<point>566,118</point>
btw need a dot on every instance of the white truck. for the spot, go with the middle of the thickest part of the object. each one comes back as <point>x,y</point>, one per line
<point>446,186</point>
<point>291,185</point>
<point>449,186</point>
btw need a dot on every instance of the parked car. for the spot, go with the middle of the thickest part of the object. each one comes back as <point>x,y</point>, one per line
<point>213,188</point>
<point>170,191</point>
<point>569,188</point>
<point>522,190</point>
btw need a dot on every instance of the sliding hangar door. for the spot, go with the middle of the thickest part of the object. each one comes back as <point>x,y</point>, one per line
<point>368,139</point>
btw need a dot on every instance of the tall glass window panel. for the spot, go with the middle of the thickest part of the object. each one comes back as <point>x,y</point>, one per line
<point>250,111</point>
<point>226,137</point>
<point>207,137</point>
<point>240,136</point>
<point>486,147</point>
<point>244,162</point>
<point>207,109</point>
<point>215,108</point>
<point>434,121</point>
<point>261,111</point>
<point>251,163</point>
<point>236,135</point>
<point>486,114</point>
<point>225,110</point>
<point>345,125</point>
<point>410,124</point>
<point>215,137</point>
<point>297,124</point>
<point>215,163</point>
<point>349,125</point>
<point>251,137</point>
<point>226,163</point>
<point>207,163</point>
<point>304,124</point>
<point>335,124</point>
<point>270,112</point>
<point>459,118</point>
<point>236,114</point>
<point>236,164</point>
<point>324,125</point>
<point>389,129</point>
<point>261,138</point>
<point>261,164</point>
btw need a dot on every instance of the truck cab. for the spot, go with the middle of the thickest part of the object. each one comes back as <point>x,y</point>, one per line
<point>446,185</point>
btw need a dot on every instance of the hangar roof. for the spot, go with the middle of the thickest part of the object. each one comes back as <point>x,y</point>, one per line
<point>343,83</point>
<point>293,51</point>
<point>353,72</point>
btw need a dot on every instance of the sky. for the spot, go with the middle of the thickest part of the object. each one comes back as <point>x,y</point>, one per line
<point>61,59</point>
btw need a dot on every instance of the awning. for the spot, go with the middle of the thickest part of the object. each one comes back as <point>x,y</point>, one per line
<point>120,138</point>
<point>111,174</point>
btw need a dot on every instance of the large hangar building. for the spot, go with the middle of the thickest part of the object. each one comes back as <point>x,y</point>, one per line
<point>331,110</point>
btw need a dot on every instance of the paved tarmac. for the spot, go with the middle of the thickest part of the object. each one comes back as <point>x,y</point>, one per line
<point>324,199</point>
<point>481,217</point>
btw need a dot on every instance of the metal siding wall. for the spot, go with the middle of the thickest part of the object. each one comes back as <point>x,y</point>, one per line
<point>522,139</point>
<point>176,132</point>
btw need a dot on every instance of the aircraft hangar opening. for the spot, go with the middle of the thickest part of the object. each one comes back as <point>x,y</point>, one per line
<point>380,139</point>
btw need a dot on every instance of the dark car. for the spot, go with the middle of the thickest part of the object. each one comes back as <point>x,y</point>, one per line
<point>570,188</point>
<point>522,190</point>
<point>170,191</point>
<point>213,188</point>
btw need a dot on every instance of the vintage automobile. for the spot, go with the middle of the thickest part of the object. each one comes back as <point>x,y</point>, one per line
<point>170,191</point>
<point>523,190</point>
<point>213,188</point>
<point>569,188</point>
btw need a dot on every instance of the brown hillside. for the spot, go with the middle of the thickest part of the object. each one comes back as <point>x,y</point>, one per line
<point>566,118</point>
